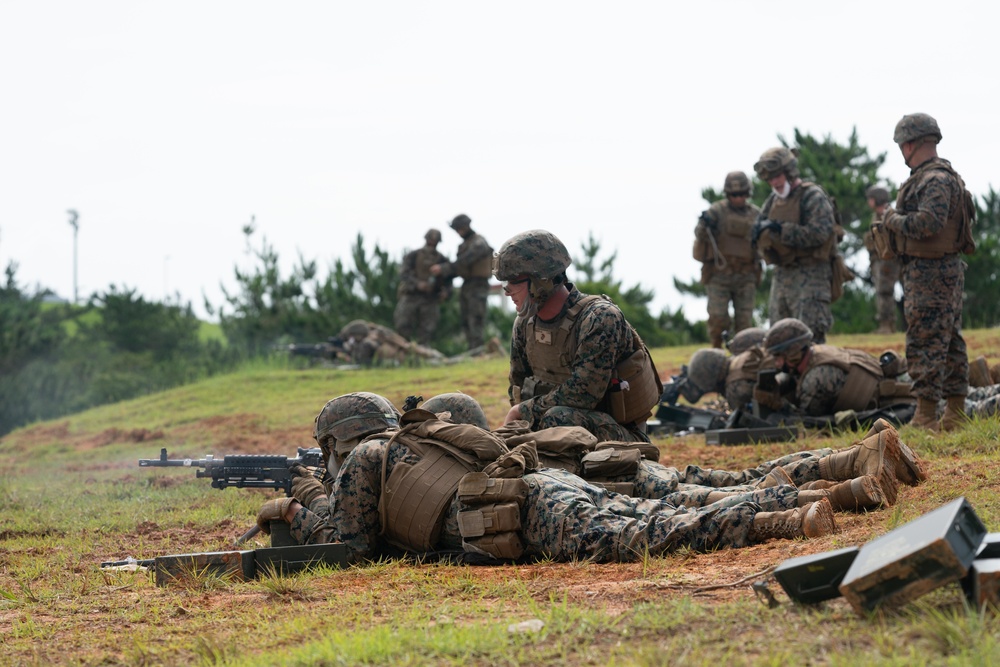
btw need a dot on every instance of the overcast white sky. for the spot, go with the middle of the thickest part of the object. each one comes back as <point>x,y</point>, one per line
<point>167,125</point>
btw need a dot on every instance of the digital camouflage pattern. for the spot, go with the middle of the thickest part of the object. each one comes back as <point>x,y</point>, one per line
<point>420,294</point>
<point>802,289</point>
<point>604,338</point>
<point>355,415</point>
<point>746,339</point>
<point>981,401</point>
<point>885,275</point>
<point>475,288</point>
<point>775,161</point>
<point>563,518</point>
<point>913,126</point>
<point>382,345</point>
<point>707,372</point>
<point>464,409</point>
<point>730,280</point>
<point>936,354</point>
<point>535,253</point>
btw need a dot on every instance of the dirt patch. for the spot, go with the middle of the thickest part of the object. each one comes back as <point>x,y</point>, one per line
<point>112,435</point>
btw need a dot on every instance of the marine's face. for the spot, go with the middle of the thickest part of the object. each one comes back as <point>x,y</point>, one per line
<point>517,290</point>
<point>737,199</point>
<point>778,182</point>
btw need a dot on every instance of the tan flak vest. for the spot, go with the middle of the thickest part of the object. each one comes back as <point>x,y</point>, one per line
<point>744,366</point>
<point>955,236</point>
<point>733,239</point>
<point>790,210</point>
<point>482,268</point>
<point>864,374</point>
<point>551,352</point>
<point>416,497</point>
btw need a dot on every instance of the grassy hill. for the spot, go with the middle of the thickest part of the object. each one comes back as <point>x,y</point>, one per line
<point>72,495</point>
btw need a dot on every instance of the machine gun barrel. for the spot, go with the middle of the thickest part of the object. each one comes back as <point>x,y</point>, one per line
<point>253,471</point>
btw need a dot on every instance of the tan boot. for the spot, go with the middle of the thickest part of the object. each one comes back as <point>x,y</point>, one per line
<point>860,493</point>
<point>911,470</point>
<point>813,520</point>
<point>818,484</point>
<point>979,373</point>
<point>954,414</point>
<point>926,415</point>
<point>995,373</point>
<point>877,455</point>
<point>777,477</point>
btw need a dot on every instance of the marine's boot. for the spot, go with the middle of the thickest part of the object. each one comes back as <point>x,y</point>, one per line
<point>926,415</point>
<point>912,470</point>
<point>812,520</point>
<point>995,373</point>
<point>877,455</point>
<point>979,373</point>
<point>860,493</point>
<point>777,477</point>
<point>818,484</point>
<point>954,416</point>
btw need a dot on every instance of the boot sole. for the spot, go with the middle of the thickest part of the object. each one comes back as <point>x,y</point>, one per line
<point>912,471</point>
<point>819,520</point>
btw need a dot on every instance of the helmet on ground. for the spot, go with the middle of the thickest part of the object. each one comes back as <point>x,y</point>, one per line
<point>707,372</point>
<point>461,221</point>
<point>353,416</point>
<point>877,194</point>
<point>914,126</point>
<point>432,236</point>
<point>356,329</point>
<point>463,408</point>
<point>736,181</point>
<point>788,338</point>
<point>776,161</point>
<point>746,339</point>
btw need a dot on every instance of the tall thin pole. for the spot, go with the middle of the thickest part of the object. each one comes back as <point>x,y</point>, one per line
<point>74,223</point>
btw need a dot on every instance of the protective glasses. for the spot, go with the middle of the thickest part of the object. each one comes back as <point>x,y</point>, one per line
<point>739,194</point>
<point>509,285</point>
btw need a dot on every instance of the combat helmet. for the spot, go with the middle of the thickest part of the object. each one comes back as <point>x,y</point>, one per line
<point>706,372</point>
<point>788,338</point>
<point>914,126</point>
<point>737,181</point>
<point>537,254</point>
<point>356,329</point>
<point>463,408</point>
<point>877,194</point>
<point>353,416</point>
<point>461,221</point>
<point>745,339</point>
<point>432,236</point>
<point>776,161</point>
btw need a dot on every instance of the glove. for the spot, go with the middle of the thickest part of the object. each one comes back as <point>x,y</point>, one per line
<point>272,510</point>
<point>305,487</point>
<point>769,399</point>
<point>761,226</point>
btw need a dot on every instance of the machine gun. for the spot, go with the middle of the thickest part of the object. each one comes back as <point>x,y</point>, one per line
<point>251,471</point>
<point>672,389</point>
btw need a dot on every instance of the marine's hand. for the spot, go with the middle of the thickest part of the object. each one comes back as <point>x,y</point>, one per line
<point>273,510</point>
<point>306,489</point>
<point>513,414</point>
<point>762,226</point>
<point>769,399</point>
<point>892,220</point>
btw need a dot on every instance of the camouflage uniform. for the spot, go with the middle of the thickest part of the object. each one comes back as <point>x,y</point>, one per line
<point>603,338</point>
<point>373,344</point>
<point>800,288</point>
<point>420,294</point>
<point>563,517</point>
<point>885,275</point>
<point>472,264</point>
<point>734,276</point>
<point>936,354</point>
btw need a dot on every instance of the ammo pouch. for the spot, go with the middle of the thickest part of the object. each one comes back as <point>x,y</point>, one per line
<point>611,462</point>
<point>489,519</point>
<point>478,488</point>
<point>882,238</point>
<point>635,388</point>
<point>505,546</point>
<point>532,387</point>
<point>894,389</point>
<point>892,364</point>
<point>648,450</point>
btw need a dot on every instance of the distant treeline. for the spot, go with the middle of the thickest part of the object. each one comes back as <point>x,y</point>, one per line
<point>56,359</point>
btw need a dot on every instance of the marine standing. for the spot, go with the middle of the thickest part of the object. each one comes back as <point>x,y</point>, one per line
<point>929,229</point>
<point>884,272</point>
<point>420,292</point>
<point>730,264</point>
<point>796,232</point>
<point>473,264</point>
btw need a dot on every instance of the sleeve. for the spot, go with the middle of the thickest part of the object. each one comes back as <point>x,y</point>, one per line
<point>519,366</point>
<point>819,389</point>
<point>471,252</point>
<point>408,273</point>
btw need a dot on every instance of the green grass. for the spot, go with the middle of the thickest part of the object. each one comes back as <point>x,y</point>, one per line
<point>71,496</point>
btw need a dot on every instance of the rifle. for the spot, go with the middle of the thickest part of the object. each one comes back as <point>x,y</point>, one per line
<point>672,389</point>
<point>248,471</point>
